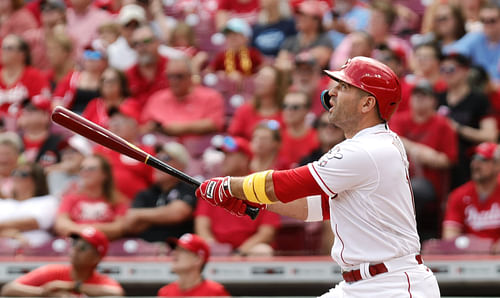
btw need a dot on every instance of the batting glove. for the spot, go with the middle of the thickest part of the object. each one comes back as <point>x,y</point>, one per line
<point>215,191</point>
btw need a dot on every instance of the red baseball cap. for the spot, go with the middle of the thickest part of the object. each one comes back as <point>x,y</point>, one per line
<point>487,150</point>
<point>236,144</point>
<point>95,237</point>
<point>193,243</point>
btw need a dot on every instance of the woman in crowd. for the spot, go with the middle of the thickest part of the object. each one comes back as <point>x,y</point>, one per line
<point>114,90</point>
<point>270,86</point>
<point>59,54</point>
<point>28,216</point>
<point>265,145</point>
<point>94,202</point>
<point>446,24</point>
<point>79,87</point>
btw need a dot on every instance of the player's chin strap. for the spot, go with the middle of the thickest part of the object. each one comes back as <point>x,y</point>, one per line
<point>254,188</point>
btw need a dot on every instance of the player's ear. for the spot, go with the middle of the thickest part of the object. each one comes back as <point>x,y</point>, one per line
<point>368,103</point>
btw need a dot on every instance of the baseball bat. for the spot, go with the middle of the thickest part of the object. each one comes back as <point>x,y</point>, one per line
<point>104,137</point>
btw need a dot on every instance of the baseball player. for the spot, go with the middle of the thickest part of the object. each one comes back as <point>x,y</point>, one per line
<point>361,185</point>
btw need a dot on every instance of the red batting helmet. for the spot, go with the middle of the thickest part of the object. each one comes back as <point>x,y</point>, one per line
<point>373,77</point>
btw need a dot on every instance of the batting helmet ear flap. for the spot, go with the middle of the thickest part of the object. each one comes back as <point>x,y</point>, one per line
<point>325,100</point>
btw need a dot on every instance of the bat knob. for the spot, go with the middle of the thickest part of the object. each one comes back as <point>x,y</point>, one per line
<point>252,211</point>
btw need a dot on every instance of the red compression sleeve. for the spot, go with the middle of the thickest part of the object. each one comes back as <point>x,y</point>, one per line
<point>291,185</point>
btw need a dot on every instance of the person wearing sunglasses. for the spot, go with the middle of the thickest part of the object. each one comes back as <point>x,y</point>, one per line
<point>483,47</point>
<point>29,214</point>
<point>468,110</point>
<point>78,278</point>
<point>165,209</point>
<point>472,209</point>
<point>299,138</point>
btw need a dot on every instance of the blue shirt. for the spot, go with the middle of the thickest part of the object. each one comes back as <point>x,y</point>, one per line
<point>268,38</point>
<point>481,52</point>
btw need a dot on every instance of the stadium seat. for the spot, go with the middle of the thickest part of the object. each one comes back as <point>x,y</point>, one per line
<point>459,245</point>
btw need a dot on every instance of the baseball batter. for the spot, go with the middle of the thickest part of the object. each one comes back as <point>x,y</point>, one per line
<point>361,185</point>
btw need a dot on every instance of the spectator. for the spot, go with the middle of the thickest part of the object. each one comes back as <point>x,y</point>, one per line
<point>124,123</point>
<point>469,112</point>
<point>79,87</point>
<point>270,86</point>
<point>165,209</point>
<point>60,56</point>
<point>358,43</point>
<point>28,216</point>
<point>265,145</point>
<point>310,36</point>
<point>472,208</point>
<point>80,278</point>
<point>15,19</point>
<point>483,47</point>
<point>298,137</point>
<point>108,33</point>
<point>346,16</point>
<point>64,175</point>
<point>307,78</point>
<point>53,14</point>
<point>10,149</point>
<point>329,135</point>
<point>83,20</point>
<point>40,144</point>
<point>244,9</point>
<point>18,80</point>
<point>274,25</point>
<point>238,59</point>
<point>94,202</point>
<point>121,53</point>
<point>183,39</point>
<point>432,149</point>
<point>148,75</point>
<point>446,24</point>
<point>185,110</point>
<point>114,91</point>
<point>217,226</point>
<point>190,257</point>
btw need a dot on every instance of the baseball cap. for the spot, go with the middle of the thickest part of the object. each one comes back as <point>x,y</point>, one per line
<point>175,151</point>
<point>236,144</point>
<point>487,150</point>
<point>53,5</point>
<point>238,25</point>
<point>313,8</point>
<point>423,87</point>
<point>95,237</point>
<point>193,243</point>
<point>131,12</point>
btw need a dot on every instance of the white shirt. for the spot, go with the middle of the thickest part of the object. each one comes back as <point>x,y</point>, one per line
<point>43,209</point>
<point>371,204</point>
<point>120,55</point>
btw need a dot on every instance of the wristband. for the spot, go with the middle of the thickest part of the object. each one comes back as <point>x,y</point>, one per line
<point>260,187</point>
<point>248,189</point>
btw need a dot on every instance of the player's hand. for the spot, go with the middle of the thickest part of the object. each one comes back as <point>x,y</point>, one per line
<point>235,206</point>
<point>215,191</point>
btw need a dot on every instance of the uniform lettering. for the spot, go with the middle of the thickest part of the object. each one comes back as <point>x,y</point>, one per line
<point>482,220</point>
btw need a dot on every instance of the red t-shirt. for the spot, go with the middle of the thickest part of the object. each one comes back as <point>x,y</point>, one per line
<point>477,217</point>
<point>207,288</point>
<point>31,83</point>
<point>435,133</point>
<point>294,149</point>
<point>130,175</point>
<point>66,88</point>
<point>246,118</point>
<point>219,62</point>
<point>140,87</point>
<point>85,210</point>
<point>239,6</point>
<point>96,112</point>
<point>227,228</point>
<point>51,272</point>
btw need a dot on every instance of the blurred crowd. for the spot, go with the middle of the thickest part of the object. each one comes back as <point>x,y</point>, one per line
<point>231,87</point>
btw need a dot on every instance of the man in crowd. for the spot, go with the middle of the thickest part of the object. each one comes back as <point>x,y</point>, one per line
<point>78,278</point>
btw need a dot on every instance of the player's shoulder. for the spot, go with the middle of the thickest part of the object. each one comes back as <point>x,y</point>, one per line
<point>213,287</point>
<point>54,269</point>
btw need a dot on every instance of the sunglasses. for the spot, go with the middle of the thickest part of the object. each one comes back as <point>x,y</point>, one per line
<point>92,55</point>
<point>271,124</point>
<point>145,41</point>
<point>448,69</point>
<point>292,107</point>
<point>489,21</point>
<point>178,76</point>
<point>21,174</point>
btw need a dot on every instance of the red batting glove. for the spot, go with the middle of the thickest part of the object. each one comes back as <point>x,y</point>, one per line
<point>235,206</point>
<point>215,191</point>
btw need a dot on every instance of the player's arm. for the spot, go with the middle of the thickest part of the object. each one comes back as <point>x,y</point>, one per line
<point>17,289</point>
<point>451,231</point>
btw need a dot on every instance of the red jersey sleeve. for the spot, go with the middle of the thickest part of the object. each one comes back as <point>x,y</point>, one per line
<point>42,275</point>
<point>67,203</point>
<point>454,214</point>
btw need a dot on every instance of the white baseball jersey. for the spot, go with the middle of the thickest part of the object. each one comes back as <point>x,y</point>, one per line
<point>370,199</point>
